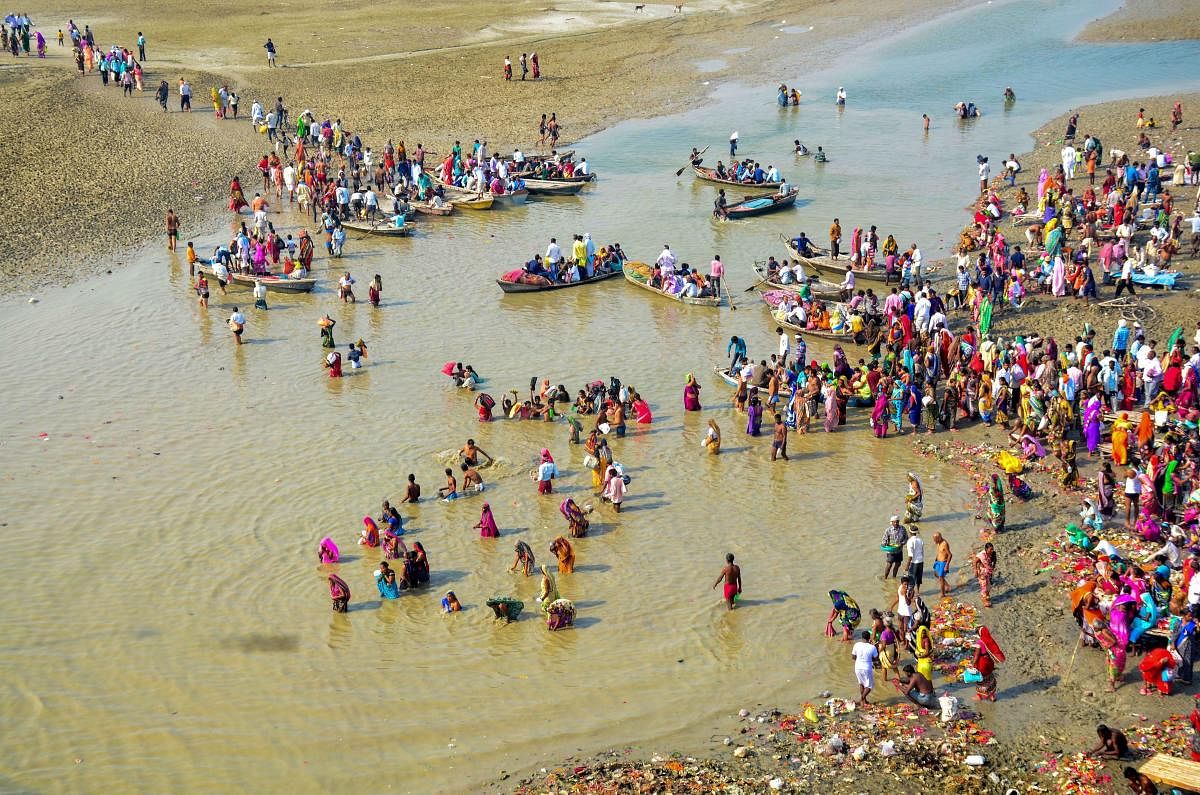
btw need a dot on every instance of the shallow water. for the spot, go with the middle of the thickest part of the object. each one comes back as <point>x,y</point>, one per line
<point>168,627</point>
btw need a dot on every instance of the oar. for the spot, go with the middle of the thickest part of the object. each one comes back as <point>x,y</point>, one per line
<point>689,162</point>
<point>761,281</point>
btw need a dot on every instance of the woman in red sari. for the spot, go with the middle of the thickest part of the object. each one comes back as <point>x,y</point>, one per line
<point>237,199</point>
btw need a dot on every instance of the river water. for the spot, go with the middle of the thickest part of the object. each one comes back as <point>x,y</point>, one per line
<point>168,627</point>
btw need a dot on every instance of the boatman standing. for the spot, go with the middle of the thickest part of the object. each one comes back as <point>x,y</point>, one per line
<point>666,260</point>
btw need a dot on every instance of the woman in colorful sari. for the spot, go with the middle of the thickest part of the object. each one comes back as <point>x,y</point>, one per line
<point>560,614</point>
<point>712,438</point>
<point>1145,431</point>
<point>846,611</point>
<point>385,581</point>
<point>1114,650</point>
<point>339,591</point>
<point>1106,483</point>
<point>1085,608</point>
<point>996,507</point>
<point>237,199</point>
<point>985,689</point>
<point>691,394</point>
<point>985,567</point>
<point>831,408</point>
<point>914,501</point>
<point>879,422</point>
<point>327,552</point>
<point>1120,439</point>
<point>549,593</point>
<point>1158,668</point>
<point>1145,618</point>
<point>1091,422</point>
<point>370,533</point>
<point>487,523</point>
<point>923,652</point>
<point>561,549</point>
<point>420,564</point>
<point>576,518</point>
<point>522,558</point>
<point>394,547</point>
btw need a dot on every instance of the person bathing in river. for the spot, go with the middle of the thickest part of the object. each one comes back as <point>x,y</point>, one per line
<point>731,575</point>
<point>450,490</point>
<point>472,481</point>
<point>470,454</point>
<point>522,558</point>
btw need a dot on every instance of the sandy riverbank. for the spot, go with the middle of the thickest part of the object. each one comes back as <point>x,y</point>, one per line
<point>1147,20</point>
<point>432,76</point>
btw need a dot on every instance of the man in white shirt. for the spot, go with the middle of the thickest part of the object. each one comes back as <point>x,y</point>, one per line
<point>666,260</point>
<point>865,654</point>
<point>916,557</point>
<point>553,251</point>
<point>371,200</point>
<point>518,157</point>
<point>985,171</point>
<point>1151,375</point>
<point>237,322</point>
<point>916,263</point>
<point>921,309</point>
<point>583,170</point>
<point>1126,280</point>
<point>1068,161</point>
<point>783,345</point>
<point>221,270</point>
<point>798,272</point>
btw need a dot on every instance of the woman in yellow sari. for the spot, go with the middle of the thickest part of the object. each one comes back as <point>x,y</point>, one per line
<point>923,651</point>
<point>549,594</point>
<point>1120,439</point>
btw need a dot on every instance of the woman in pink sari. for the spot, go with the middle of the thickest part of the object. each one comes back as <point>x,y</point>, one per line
<point>487,523</point>
<point>879,421</point>
<point>339,591</point>
<point>691,394</point>
<point>831,408</point>
<point>327,552</point>
<point>1091,422</point>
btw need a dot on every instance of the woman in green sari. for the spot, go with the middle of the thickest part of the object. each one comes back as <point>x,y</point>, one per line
<point>996,504</point>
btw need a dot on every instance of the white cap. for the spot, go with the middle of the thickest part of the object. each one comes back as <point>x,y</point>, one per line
<point>894,518</point>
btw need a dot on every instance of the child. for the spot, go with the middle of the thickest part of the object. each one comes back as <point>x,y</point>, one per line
<point>191,259</point>
<point>450,490</point>
<point>450,603</point>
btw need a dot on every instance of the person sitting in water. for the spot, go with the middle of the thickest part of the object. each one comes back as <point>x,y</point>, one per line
<point>820,155</point>
<point>385,581</point>
<point>369,537</point>
<point>800,148</point>
<point>506,607</point>
<point>450,603</point>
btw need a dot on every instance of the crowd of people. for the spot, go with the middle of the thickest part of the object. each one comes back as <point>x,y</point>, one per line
<point>582,261</point>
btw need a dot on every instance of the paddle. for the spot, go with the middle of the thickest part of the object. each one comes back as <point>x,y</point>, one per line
<point>761,281</point>
<point>689,162</point>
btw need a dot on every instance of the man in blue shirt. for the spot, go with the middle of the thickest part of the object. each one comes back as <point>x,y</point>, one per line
<point>1121,339</point>
<point>736,350</point>
<point>1016,260</point>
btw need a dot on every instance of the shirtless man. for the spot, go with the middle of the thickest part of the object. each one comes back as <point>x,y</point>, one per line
<point>470,453</point>
<point>1113,744</point>
<point>172,230</point>
<point>471,479</point>
<point>450,490</point>
<point>779,444</point>
<point>941,564</point>
<point>412,492</point>
<point>916,688</point>
<point>731,575</point>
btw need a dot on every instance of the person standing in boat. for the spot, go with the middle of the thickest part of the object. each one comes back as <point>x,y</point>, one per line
<point>835,238</point>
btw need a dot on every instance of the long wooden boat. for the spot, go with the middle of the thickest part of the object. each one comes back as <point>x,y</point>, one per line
<point>761,205</point>
<point>709,175</point>
<point>551,187</point>
<point>274,284</point>
<point>638,274</point>
<point>385,227</point>
<point>818,288</point>
<point>532,174</point>
<point>554,157</point>
<point>517,287</point>
<point>425,208</point>
<point>828,266</point>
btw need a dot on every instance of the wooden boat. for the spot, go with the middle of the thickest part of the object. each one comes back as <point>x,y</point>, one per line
<point>638,274</point>
<point>723,374</point>
<point>709,175</point>
<point>532,174</point>
<point>761,205</point>
<point>517,287</point>
<point>471,201</point>
<point>385,227</point>
<point>274,284</point>
<point>819,289</point>
<point>552,187</point>
<point>554,156</point>
<point>510,199</point>
<point>827,266</point>
<point>425,208</point>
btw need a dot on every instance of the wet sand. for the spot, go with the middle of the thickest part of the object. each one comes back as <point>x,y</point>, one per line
<point>1147,20</point>
<point>430,76</point>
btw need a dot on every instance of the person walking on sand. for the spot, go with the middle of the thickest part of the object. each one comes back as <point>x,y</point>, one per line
<point>941,563</point>
<point>507,69</point>
<point>172,230</point>
<point>524,66</point>
<point>270,48</point>
<point>731,575</point>
<point>864,653</point>
<point>141,43</point>
<point>185,96</point>
<point>163,92</point>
